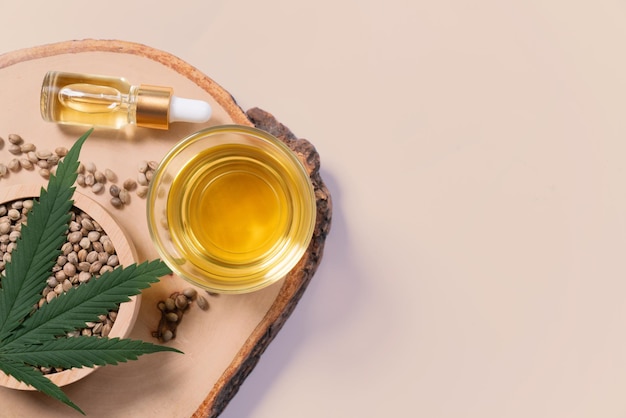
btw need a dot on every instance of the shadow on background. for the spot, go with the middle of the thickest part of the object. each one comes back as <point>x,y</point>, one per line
<point>327,303</point>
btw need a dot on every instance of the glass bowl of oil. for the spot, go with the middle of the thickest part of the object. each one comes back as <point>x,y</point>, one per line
<point>231,209</point>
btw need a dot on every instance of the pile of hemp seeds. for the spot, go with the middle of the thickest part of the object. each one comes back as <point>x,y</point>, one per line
<point>87,253</point>
<point>172,310</point>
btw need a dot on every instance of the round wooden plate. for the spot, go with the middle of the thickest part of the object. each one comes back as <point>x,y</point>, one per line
<point>126,252</point>
<point>221,345</point>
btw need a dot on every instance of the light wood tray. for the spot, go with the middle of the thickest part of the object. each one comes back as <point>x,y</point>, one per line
<point>221,345</point>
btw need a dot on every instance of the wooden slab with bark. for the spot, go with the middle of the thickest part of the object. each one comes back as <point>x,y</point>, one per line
<point>221,345</point>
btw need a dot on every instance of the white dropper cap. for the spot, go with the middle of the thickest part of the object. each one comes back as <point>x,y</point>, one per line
<point>189,110</point>
<point>157,107</point>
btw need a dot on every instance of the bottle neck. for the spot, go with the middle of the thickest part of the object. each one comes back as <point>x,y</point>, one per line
<point>153,106</point>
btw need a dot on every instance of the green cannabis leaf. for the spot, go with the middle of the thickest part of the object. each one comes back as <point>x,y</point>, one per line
<point>29,340</point>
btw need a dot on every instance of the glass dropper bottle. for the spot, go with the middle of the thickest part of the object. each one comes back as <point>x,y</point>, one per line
<point>95,100</point>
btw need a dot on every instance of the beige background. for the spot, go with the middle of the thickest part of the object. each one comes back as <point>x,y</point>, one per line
<point>475,152</point>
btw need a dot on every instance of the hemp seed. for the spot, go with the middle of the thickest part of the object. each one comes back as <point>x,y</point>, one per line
<point>141,179</point>
<point>114,190</point>
<point>15,139</point>
<point>124,196</point>
<point>100,177</point>
<point>116,202</point>
<point>28,147</point>
<point>202,303</point>
<point>15,149</point>
<point>14,165</point>
<point>26,164</point>
<point>130,184</point>
<point>142,191</point>
<point>97,188</point>
<point>90,167</point>
<point>110,175</point>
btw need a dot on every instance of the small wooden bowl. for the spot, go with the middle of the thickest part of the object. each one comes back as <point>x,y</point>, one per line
<point>128,311</point>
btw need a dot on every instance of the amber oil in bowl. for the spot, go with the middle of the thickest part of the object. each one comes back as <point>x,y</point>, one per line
<point>231,209</point>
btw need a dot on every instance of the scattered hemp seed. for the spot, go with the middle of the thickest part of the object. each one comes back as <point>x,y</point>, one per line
<point>43,161</point>
<point>26,164</point>
<point>15,149</point>
<point>116,202</point>
<point>124,197</point>
<point>15,139</point>
<point>130,184</point>
<point>143,166</point>
<point>110,175</point>
<point>142,179</point>
<point>28,147</point>
<point>44,172</point>
<point>60,151</point>
<point>14,165</point>
<point>42,154</point>
<point>97,188</point>
<point>100,177</point>
<point>90,180</point>
<point>114,190</point>
<point>142,191</point>
<point>202,303</point>
<point>90,167</point>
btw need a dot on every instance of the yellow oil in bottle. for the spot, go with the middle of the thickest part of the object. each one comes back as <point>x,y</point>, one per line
<point>229,206</point>
<point>87,100</point>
